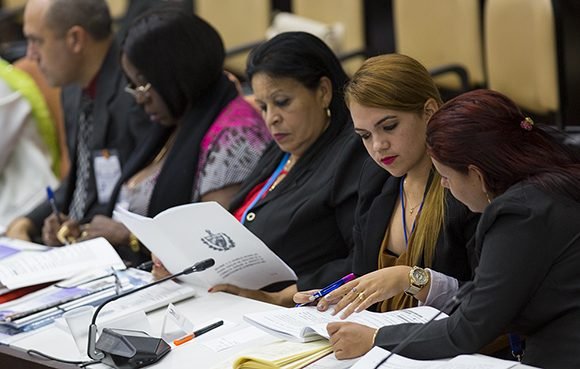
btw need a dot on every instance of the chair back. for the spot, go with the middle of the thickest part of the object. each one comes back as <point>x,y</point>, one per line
<point>520,46</point>
<point>442,33</point>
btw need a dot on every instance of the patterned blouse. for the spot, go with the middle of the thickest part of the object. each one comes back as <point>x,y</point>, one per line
<point>229,151</point>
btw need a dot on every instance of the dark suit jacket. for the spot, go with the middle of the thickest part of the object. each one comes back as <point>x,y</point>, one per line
<point>454,252</point>
<point>307,220</point>
<point>118,124</point>
<point>527,282</point>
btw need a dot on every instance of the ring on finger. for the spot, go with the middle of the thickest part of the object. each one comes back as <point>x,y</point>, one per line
<point>361,296</point>
<point>63,235</point>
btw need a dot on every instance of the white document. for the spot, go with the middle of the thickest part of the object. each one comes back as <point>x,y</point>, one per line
<point>186,234</point>
<point>233,339</point>
<point>373,357</point>
<point>331,362</point>
<point>306,323</point>
<point>30,268</point>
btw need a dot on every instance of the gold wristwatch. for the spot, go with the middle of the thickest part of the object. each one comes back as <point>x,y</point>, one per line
<point>418,278</point>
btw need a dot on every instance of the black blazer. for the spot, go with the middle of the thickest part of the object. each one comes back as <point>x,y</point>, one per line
<point>527,282</point>
<point>454,252</point>
<point>307,220</point>
<point>118,125</point>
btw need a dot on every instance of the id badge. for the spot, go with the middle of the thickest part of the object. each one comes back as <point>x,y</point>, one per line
<point>107,173</point>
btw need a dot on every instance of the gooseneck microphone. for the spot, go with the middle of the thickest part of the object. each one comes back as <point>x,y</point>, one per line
<point>449,306</point>
<point>132,349</point>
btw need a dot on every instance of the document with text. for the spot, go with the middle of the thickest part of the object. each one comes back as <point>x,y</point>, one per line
<point>186,234</point>
<point>306,323</point>
<point>28,268</point>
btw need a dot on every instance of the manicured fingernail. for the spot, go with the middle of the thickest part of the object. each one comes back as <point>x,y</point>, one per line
<point>311,298</point>
<point>210,289</point>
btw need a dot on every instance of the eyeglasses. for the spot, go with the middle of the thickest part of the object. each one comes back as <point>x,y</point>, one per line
<point>139,91</point>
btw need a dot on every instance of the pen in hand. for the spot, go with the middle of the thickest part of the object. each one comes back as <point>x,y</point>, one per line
<point>52,201</point>
<point>197,333</point>
<point>328,289</point>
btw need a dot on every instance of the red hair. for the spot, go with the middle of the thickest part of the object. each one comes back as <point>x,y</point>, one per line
<point>484,128</point>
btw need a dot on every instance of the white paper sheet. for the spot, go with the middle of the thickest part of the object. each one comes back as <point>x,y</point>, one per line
<point>186,234</point>
<point>307,323</point>
<point>31,268</point>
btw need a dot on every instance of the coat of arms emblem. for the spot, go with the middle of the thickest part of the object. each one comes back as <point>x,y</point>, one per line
<point>218,241</point>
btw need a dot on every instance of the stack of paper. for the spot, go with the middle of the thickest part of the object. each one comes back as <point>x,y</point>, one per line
<point>305,324</point>
<point>31,266</point>
<point>283,355</point>
<point>44,306</point>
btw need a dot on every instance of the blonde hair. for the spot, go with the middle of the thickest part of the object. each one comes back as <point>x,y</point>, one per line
<point>399,82</point>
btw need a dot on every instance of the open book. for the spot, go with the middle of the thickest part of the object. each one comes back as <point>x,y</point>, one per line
<point>305,324</point>
<point>185,234</point>
<point>373,357</point>
<point>283,355</point>
<point>30,266</point>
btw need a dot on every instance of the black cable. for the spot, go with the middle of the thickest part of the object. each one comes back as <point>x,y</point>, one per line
<point>81,363</point>
<point>451,304</point>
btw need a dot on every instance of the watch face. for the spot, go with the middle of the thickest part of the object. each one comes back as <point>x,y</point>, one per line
<point>420,276</point>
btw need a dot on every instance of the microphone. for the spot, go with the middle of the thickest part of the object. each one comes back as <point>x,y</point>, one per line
<point>123,348</point>
<point>449,306</point>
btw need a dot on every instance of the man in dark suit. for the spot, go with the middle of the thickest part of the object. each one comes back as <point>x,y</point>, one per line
<point>72,42</point>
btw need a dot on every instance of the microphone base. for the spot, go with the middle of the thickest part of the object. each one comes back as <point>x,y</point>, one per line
<point>126,349</point>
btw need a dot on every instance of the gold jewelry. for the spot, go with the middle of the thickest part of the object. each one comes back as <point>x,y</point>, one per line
<point>63,235</point>
<point>488,199</point>
<point>143,173</point>
<point>134,243</point>
<point>361,296</point>
<point>375,336</point>
<point>411,208</point>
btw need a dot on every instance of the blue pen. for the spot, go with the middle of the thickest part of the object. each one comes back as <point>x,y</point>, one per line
<point>51,200</point>
<point>328,289</point>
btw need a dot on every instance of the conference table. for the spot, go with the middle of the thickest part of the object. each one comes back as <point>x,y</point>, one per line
<point>207,351</point>
<point>200,309</point>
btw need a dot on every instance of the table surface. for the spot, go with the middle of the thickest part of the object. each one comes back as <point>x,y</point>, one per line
<point>200,309</point>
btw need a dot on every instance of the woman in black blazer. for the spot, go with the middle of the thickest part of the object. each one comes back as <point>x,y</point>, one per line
<point>300,198</point>
<point>527,187</point>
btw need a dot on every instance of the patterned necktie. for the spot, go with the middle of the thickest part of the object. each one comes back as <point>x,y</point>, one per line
<point>83,173</point>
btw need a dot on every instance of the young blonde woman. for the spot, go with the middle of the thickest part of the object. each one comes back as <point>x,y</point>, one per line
<point>412,240</point>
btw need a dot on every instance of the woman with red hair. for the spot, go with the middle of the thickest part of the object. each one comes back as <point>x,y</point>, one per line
<point>526,184</point>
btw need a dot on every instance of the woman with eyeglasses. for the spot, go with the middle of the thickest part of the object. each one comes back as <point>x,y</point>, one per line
<point>208,137</point>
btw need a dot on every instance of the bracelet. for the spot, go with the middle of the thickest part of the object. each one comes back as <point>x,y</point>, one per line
<point>375,336</point>
<point>134,243</point>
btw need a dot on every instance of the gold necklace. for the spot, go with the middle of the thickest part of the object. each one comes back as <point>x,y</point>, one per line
<point>411,208</point>
<point>140,175</point>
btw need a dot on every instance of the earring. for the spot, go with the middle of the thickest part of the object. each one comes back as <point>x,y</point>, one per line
<point>488,199</point>
<point>328,112</point>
